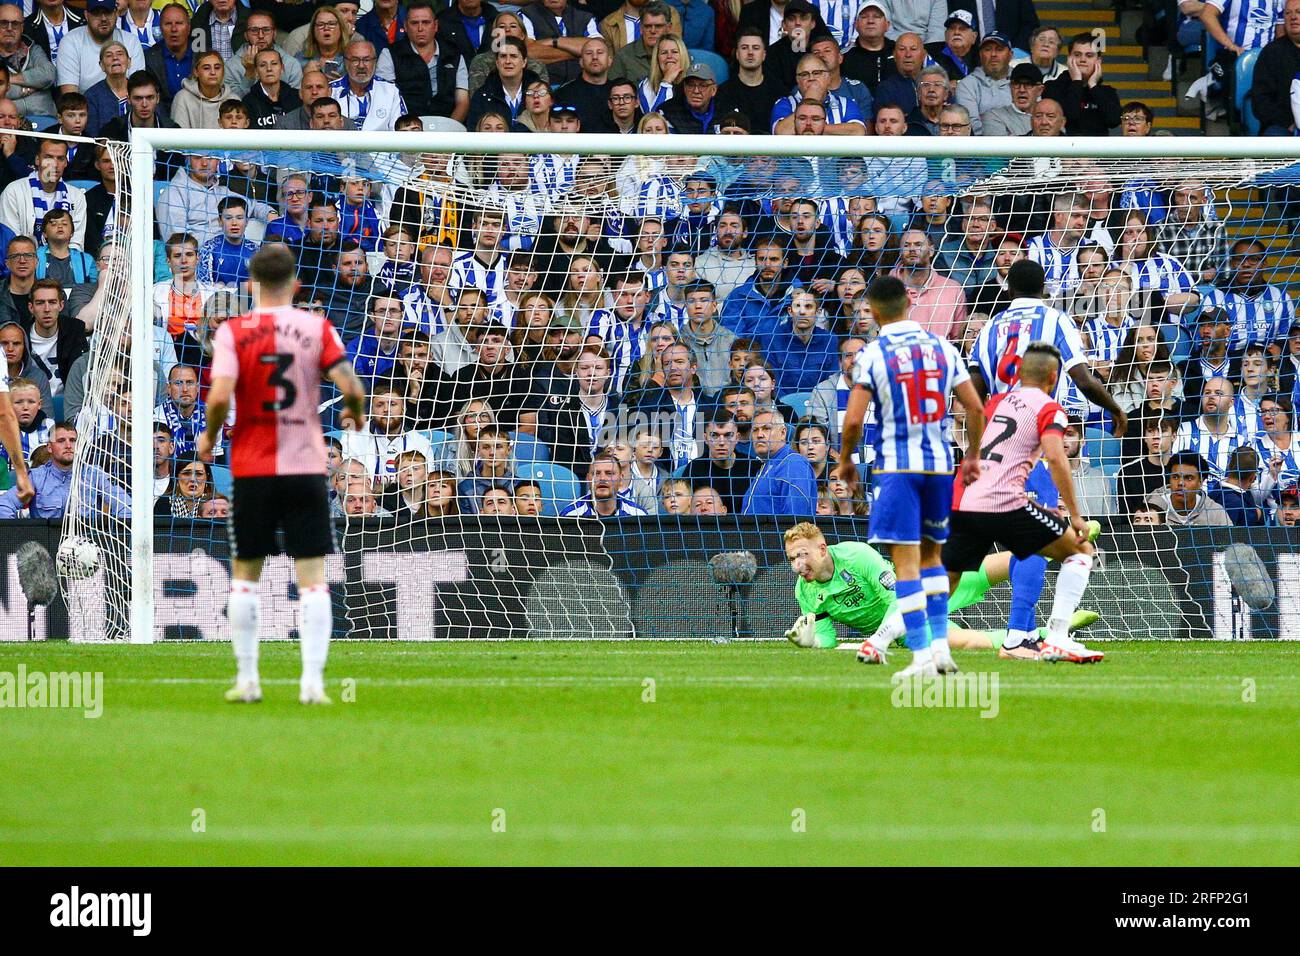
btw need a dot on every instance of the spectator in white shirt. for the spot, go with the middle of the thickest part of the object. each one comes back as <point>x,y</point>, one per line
<point>25,202</point>
<point>189,203</point>
<point>78,63</point>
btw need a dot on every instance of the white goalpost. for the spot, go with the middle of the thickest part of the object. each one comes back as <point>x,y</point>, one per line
<point>1234,171</point>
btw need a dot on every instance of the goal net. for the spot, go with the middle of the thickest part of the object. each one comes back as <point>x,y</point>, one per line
<point>567,343</point>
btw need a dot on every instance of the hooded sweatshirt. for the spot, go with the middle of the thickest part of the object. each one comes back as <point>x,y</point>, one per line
<point>30,367</point>
<point>192,110</point>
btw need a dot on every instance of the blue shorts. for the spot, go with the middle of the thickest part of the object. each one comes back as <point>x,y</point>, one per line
<point>1041,488</point>
<point>906,507</point>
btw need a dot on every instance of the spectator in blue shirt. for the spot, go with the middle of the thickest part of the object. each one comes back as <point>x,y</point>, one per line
<point>1234,491</point>
<point>754,308</point>
<point>785,484</point>
<point>374,352</point>
<point>223,259</point>
<point>53,479</point>
<point>801,355</point>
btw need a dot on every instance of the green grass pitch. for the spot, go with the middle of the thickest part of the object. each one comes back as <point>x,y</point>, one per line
<point>748,754</point>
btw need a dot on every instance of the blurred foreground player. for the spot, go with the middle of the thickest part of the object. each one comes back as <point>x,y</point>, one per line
<point>1024,425</point>
<point>272,360</point>
<point>911,374</point>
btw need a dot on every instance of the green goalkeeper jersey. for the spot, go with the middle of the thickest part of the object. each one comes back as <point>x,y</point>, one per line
<point>860,592</point>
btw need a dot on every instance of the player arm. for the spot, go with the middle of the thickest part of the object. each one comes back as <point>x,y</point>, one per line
<point>1059,466</point>
<point>9,435</point>
<point>851,433</point>
<point>349,384</point>
<point>223,386</point>
<point>1093,389</point>
<point>970,401</point>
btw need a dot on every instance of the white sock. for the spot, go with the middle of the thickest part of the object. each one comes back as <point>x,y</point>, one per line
<point>1016,638</point>
<point>242,611</point>
<point>315,621</point>
<point>890,630</point>
<point>1071,582</point>
<point>924,655</point>
<point>939,646</point>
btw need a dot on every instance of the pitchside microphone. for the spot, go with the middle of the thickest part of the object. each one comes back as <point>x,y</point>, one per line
<point>1248,576</point>
<point>37,579</point>
<point>732,570</point>
<point>36,574</point>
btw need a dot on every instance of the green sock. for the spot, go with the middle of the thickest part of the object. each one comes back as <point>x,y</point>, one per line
<point>971,588</point>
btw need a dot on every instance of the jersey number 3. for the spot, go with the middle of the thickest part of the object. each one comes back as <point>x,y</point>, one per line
<point>281,362</point>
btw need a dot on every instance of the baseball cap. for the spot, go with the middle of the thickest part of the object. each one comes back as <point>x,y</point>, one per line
<point>700,71</point>
<point>1027,73</point>
<point>799,6</point>
<point>964,17</point>
<point>1289,495</point>
<point>101,5</point>
<point>564,109</point>
<point>995,37</point>
<point>1211,315</point>
<point>874,3</point>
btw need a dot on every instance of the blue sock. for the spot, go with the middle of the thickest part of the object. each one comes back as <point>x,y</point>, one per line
<point>1027,576</point>
<point>911,604</point>
<point>934,582</point>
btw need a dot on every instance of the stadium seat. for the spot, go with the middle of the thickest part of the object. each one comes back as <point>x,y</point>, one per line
<point>720,70</point>
<point>437,437</point>
<point>255,230</point>
<point>83,183</point>
<point>57,410</point>
<point>798,402</point>
<point>559,485</point>
<point>40,121</point>
<point>1241,92</point>
<point>221,480</point>
<point>528,450</point>
<point>1102,449</point>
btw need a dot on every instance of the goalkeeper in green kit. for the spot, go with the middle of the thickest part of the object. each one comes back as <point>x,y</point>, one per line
<point>852,583</point>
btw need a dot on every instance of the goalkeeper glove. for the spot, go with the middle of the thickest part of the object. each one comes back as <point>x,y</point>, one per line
<point>803,631</point>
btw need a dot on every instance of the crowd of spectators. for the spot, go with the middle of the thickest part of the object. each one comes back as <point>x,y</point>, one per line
<point>667,334</point>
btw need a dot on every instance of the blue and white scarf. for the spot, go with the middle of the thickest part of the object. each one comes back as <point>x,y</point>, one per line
<point>185,431</point>
<point>41,204</point>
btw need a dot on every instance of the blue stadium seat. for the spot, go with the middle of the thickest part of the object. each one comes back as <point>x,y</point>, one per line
<point>83,183</point>
<point>798,402</point>
<point>57,410</point>
<point>221,480</point>
<point>1241,92</point>
<point>528,450</point>
<point>719,65</point>
<point>1102,449</point>
<point>41,122</point>
<point>437,437</point>
<point>559,485</point>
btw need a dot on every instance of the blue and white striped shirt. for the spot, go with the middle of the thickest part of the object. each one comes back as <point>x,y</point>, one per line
<point>1059,265</point>
<point>1251,24</point>
<point>1268,450</point>
<point>839,109</point>
<point>584,507</point>
<point>1107,339</point>
<point>1160,273</point>
<point>1003,342</point>
<point>1260,320</point>
<point>1214,449</point>
<point>467,271</point>
<point>912,374</point>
